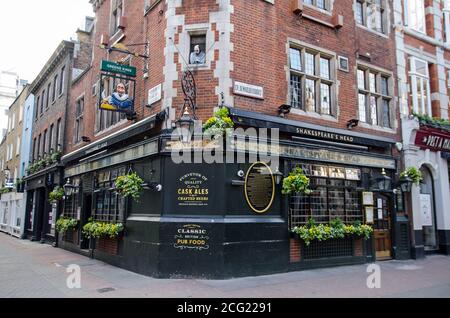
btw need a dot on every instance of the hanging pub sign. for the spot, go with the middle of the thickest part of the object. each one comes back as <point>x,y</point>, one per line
<point>433,139</point>
<point>117,87</point>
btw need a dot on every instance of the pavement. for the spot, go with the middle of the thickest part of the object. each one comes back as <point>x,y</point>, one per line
<point>33,270</point>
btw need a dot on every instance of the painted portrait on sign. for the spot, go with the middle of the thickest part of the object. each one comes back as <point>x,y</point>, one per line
<point>116,95</point>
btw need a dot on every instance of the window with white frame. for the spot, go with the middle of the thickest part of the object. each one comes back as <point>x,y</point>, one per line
<point>420,86</point>
<point>116,14</point>
<point>312,81</point>
<point>321,4</point>
<point>415,14</point>
<point>372,14</point>
<point>374,97</point>
<point>18,146</point>
<point>446,17</point>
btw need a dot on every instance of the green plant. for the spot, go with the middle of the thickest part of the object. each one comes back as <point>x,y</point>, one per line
<point>63,224</point>
<point>336,229</point>
<point>94,229</point>
<point>412,173</point>
<point>130,185</point>
<point>5,190</point>
<point>296,182</point>
<point>57,194</point>
<point>219,124</point>
<point>433,122</point>
<point>56,156</point>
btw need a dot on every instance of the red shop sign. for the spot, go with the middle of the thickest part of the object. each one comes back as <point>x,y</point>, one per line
<point>433,139</point>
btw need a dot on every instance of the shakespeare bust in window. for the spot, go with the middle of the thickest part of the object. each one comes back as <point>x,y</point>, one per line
<point>198,56</point>
<point>119,100</point>
<point>309,100</point>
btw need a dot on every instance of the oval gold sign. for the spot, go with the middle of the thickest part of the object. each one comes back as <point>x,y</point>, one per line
<point>259,187</point>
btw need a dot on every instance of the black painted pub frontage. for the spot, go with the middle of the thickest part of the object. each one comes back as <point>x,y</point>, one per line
<point>222,220</point>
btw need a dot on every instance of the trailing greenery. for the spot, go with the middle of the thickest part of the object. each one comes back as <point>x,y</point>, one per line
<point>335,230</point>
<point>47,161</point>
<point>5,190</point>
<point>57,194</point>
<point>433,122</point>
<point>296,182</point>
<point>94,229</point>
<point>63,224</point>
<point>219,124</point>
<point>130,185</point>
<point>414,174</point>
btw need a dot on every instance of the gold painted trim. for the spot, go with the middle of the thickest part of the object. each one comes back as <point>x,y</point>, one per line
<point>273,188</point>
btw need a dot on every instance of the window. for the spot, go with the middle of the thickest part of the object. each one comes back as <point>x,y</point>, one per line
<point>109,206</point>
<point>415,14</point>
<point>58,135</point>
<point>79,111</point>
<point>321,4</point>
<point>13,121</point>
<point>39,147</point>
<point>50,138</point>
<point>446,17</point>
<point>116,14</point>
<point>55,84</point>
<point>374,97</point>
<point>37,106</point>
<point>420,87</point>
<point>48,95</point>
<point>42,102</point>
<point>18,146</point>
<point>334,196</point>
<point>73,202</point>
<point>371,14</point>
<point>312,81</point>
<point>44,142</point>
<point>34,149</point>
<point>61,80</point>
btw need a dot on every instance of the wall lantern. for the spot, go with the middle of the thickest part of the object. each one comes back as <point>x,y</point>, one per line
<point>185,126</point>
<point>69,188</point>
<point>384,182</point>
<point>406,184</point>
<point>278,176</point>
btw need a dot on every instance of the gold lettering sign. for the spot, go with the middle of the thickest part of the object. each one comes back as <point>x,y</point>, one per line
<point>260,187</point>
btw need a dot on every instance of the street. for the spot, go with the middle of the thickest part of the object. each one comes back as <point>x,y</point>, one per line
<point>32,270</point>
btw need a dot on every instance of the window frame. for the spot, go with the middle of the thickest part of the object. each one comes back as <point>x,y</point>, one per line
<point>414,76</point>
<point>375,91</point>
<point>365,16</point>
<point>79,124</point>
<point>305,75</point>
<point>407,12</point>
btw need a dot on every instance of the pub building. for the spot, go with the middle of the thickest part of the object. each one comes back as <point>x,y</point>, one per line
<point>224,220</point>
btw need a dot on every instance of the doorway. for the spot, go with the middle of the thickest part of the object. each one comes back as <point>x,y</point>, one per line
<point>382,227</point>
<point>428,212</point>
<point>86,213</point>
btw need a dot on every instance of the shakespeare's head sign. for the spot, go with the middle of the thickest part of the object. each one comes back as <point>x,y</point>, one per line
<point>117,87</point>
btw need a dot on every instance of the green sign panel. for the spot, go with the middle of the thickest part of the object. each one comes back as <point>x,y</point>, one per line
<point>108,66</point>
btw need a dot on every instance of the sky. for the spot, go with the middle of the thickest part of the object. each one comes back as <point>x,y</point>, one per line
<point>31,30</point>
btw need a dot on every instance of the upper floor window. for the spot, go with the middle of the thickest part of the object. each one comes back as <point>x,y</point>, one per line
<point>321,4</point>
<point>415,14</point>
<point>446,17</point>
<point>48,95</point>
<point>374,97</point>
<point>61,80</point>
<point>55,84</point>
<point>42,102</point>
<point>37,106</point>
<point>311,81</point>
<point>116,14</point>
<point>372,14</point>
<point>79,112</point>
<point>420,86</point>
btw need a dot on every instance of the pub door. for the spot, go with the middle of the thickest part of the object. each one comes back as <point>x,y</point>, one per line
<point>85,215</point>
<point>382,227</point>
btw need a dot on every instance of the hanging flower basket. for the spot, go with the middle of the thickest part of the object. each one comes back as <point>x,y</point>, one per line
<point>412,173</point>
<point>296,182</point>
<point>56,195</point>
<point>220,124</point>
<point>130,185</point>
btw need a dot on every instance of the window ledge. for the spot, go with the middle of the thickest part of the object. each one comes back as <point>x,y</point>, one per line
<point>323,11</point>
<point>378,128</point>
<point>381,34</point>
<point>297,111</point>
<point>151,7</point>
